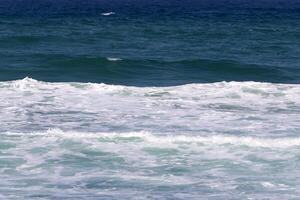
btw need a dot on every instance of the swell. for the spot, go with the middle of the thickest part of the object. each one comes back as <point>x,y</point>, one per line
<point>145,72</point>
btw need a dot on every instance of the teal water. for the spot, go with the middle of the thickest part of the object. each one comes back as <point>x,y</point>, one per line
<point>171,48</point>
<point>149,100</point>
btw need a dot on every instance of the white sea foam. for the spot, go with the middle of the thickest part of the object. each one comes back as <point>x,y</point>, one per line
<point>161,139</point>
<point>85,163</point>
<point>108,13</point>
<point>182,142</point>
<point>235,108</point>
<point>113,59</point>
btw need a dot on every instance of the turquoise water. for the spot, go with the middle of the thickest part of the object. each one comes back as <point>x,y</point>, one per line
<point>149,100</point>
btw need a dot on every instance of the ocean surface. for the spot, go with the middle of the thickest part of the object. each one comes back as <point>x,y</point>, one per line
<point>135,99</point>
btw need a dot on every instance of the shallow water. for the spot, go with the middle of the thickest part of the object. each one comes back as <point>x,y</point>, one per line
<point>221,140</point>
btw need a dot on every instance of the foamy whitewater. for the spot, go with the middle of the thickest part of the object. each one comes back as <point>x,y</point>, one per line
<point>224,140</point>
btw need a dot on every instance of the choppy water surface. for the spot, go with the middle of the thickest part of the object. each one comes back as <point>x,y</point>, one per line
<point>81,140</point>
<point>149,100</point>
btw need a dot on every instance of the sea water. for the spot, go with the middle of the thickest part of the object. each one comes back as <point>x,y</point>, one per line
<point>149,100</point>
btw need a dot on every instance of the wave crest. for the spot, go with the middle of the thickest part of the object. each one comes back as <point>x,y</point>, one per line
<point>108,13</point>
<point>161,139</point>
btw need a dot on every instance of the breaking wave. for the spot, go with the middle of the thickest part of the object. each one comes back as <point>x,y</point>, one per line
<point>161,139</point>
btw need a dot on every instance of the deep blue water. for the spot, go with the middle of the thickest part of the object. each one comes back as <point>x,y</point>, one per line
<point>158,42</point>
